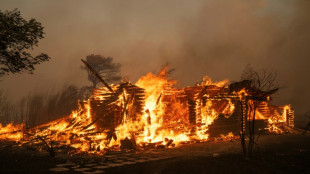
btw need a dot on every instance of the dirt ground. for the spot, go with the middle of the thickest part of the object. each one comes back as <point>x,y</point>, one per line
<point>288,153</point>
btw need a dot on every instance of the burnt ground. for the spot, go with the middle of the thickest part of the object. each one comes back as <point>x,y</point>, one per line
<point>288,153</point>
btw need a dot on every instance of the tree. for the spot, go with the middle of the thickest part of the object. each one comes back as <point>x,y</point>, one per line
<point>260,86</point>
<point>104,66</point>
<point>17,36</point>
<point>307,114</point>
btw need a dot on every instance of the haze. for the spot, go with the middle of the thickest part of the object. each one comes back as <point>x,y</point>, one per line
<point>197,38</point>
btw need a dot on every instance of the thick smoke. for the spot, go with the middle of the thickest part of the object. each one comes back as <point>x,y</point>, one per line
<point>213,37</point>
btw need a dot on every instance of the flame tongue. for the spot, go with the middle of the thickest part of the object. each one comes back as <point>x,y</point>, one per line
<point>155,86</point>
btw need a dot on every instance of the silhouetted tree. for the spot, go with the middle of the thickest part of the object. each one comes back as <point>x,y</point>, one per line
<point>105,67</point>
<point>261,86</point>
<point>38,108</point>
<point>4,108</point>
<point>18,35</point>
<point>35,109</point>
<point>307,114</point>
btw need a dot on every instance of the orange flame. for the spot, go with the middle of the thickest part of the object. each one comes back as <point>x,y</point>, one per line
<point>11,132</point>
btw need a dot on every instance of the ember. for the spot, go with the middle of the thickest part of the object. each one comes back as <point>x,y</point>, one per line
<point>152,113</point>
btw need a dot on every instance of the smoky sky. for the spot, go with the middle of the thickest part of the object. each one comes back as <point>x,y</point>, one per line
<point>217,38</point>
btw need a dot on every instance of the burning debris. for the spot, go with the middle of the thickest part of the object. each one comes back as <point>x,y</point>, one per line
<point>152,113</point>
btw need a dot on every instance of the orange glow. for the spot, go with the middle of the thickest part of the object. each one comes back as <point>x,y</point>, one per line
<point>169,116</point>
<point>277,118</point>
<point>208,81</point>
<point>11,132</point>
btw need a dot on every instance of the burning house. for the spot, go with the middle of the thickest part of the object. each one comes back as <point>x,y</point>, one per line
<point>158,110</point>
<point>152,112</point>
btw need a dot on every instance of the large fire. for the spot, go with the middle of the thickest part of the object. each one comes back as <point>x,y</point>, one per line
<point>158,115</point>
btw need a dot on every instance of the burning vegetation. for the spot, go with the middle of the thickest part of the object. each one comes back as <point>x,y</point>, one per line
<point>152,113</point>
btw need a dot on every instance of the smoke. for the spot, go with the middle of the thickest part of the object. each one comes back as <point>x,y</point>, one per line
<point>217,38</point>
<point>227,35</point>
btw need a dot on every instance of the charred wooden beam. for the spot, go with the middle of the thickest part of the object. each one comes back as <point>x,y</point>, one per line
<point>97,75</point>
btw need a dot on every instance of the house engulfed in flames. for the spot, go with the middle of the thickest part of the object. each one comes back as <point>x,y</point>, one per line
<point>152,112</point>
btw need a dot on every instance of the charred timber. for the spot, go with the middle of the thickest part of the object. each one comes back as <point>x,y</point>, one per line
<point>97,75</point>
